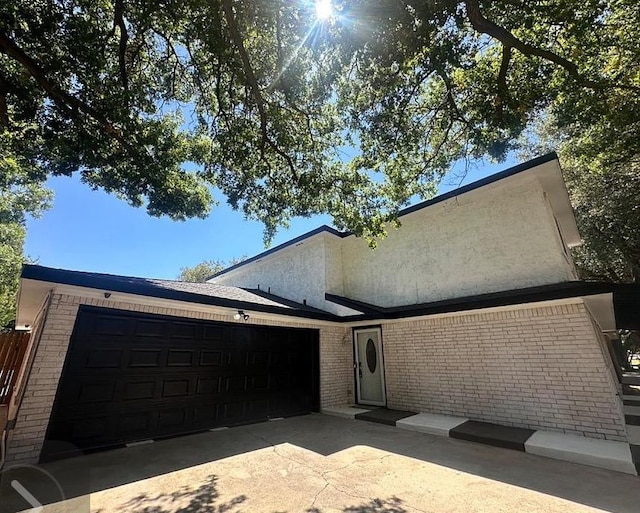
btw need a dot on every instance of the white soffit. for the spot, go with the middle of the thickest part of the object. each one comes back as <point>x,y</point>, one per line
<point>601,308</point>
<point>550,176</point>
<point>31,296</point>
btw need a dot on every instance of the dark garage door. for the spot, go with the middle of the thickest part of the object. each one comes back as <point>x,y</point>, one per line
<point>131,376</point>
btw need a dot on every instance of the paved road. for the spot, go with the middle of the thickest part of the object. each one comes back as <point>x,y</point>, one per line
<point>324,464</point>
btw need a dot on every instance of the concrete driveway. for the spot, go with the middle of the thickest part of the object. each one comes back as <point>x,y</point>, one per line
<point>317,463</point>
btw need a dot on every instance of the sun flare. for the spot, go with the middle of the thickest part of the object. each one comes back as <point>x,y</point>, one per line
<point>324,9</point>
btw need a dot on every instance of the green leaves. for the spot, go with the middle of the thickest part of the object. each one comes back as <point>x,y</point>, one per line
<point>201,272</point>
<point>289,116</point>
<point>21,193</point>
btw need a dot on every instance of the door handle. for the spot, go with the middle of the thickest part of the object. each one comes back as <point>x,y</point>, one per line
<point>360,369</point>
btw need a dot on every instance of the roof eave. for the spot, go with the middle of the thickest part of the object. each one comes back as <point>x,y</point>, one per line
<point>62,277</point>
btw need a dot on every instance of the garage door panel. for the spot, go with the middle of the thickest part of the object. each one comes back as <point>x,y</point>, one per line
<point>208,386</point>
<point>181,357</point>
<point>102,359</point>
<point>212,332</point>
<point>232,412</point>
<point>257,358</point>
<point>172,417</point>
<point>258,383</point>
<point>96,392</point>
<point>214,358</point>
<point>259,408</point>
<point>150,328</point>
<point>205,415</point>
<point>96,427</point>
<point>136,424</point>
<point>144,358</point>
<point>131,376</point>
<point>138,390</point>
<point>185,330</point>
<point>110,325</point>
<point>234,384</point>
<point>175,387</point>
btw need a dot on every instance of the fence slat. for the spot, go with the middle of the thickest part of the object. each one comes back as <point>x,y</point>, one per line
<point>13,346</point>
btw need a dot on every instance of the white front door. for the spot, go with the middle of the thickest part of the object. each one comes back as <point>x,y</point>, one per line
<point>369,366</point>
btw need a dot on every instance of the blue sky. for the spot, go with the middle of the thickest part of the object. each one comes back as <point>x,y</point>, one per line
<point>90,230</point>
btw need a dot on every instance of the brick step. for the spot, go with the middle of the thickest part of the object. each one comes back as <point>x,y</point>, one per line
<point>492,434</point>
<point>384,416</point>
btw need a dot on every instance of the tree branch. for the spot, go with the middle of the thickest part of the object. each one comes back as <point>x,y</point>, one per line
<point>63,100</point>
<point>118,20</point>
<point>4,110</point>
<point>246,66</point>
<point>485,26</point>
<point>503,90</point>
<point>253,84</point>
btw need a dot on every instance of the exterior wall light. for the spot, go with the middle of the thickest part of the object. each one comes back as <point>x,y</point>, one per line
<point>241,315</point>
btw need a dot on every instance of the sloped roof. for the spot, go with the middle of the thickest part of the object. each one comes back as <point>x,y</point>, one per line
<point>204,293</point>
<point>626,297</point>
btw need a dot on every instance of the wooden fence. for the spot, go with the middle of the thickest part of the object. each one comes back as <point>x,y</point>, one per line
<point>13,346</point>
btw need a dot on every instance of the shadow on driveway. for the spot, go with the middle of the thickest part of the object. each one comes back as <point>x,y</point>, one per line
<point>324,435</point>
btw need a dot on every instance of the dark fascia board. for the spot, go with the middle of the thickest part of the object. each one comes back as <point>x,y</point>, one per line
<point>287,302</point>
<point>114,283</point>
<point>626,297</point>
<point>360,306</point>
<point>492,300</point>
<point>322,229</point>
<point>525,166</point>
<point>414,208</point>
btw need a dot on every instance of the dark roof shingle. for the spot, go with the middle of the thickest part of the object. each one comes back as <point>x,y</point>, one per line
<point>205,293</point>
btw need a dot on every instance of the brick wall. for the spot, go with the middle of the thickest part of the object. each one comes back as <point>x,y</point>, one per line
<point>25,441</point>
<point>540,368</point>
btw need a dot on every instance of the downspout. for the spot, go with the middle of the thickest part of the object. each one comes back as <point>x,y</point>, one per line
<point>21,382</point>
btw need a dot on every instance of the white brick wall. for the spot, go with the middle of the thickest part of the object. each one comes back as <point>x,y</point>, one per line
<point>25,441</point>
<point>539,368</point>
<point>542,368</point>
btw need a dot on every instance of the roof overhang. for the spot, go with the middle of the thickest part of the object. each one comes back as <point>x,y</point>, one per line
<point>613,306</point>
<point>37,282</point>
<point>602,310</point>
<point>31,297</point>
<point>550,177</point>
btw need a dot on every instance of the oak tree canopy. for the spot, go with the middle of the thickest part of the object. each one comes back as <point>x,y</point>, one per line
<point>288,114</point>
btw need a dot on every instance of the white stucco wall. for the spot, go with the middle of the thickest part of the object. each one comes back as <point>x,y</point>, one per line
<point>298,272</point>
<point>334,281</point>
<point>502,236</point>
<point>497,238</point>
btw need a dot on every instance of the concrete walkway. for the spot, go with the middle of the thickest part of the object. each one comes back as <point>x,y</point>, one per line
<point>318,463</point>
<point>607,454</point>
